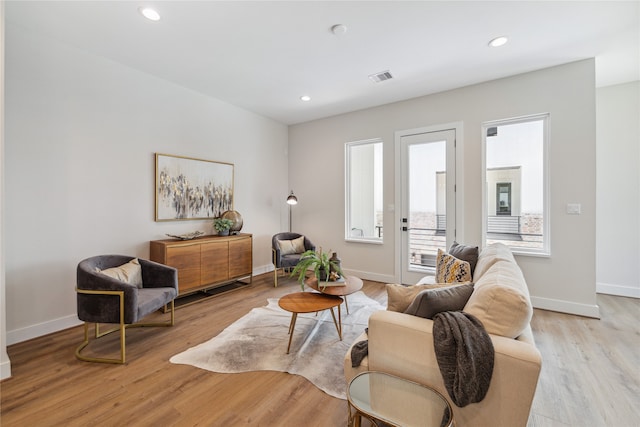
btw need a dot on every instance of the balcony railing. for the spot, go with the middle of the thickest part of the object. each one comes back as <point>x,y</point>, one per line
<point>495,224</point>
<point>424,242</point>
<point>503,224</point>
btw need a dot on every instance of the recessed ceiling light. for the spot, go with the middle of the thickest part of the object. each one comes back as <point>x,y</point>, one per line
<point>305,98</point>
<point>339,29</point>
<point>149,13</point>
<point>498,41</point>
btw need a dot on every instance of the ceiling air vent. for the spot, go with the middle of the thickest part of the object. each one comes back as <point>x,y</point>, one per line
<point>381,76</point>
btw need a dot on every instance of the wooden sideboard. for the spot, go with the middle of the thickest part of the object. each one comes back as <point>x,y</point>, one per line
<point>206,262</point>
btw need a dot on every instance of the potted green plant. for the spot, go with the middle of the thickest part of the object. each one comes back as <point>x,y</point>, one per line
<point>320,263</point>
<point>222,226</point>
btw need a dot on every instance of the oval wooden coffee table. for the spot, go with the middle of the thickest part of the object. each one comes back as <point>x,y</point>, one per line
<point>310,302</point>
<point>350,285</point>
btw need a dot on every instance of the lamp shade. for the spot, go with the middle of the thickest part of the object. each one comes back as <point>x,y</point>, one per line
<point>292,200</point>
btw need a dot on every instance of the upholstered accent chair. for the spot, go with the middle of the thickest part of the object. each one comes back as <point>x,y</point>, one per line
<point>122,290</point>
<point>286,250</point>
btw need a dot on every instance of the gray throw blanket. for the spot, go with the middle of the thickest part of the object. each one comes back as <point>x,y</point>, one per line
<point>359,351</point>
<point>465,355</point>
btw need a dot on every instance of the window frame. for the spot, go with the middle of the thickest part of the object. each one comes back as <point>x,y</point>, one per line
<point>347,182</point>
<point>545,250</point>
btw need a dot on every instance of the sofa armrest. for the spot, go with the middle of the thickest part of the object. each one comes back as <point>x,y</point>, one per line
<point>402,345</point>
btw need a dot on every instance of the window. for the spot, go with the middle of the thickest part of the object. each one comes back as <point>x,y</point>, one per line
<point>363,191</point>
<point>516,177</point>
<point>503,201</point>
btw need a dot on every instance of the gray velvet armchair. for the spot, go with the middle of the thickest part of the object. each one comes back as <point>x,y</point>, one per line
<point>286,259</point>
<point>105,299</point>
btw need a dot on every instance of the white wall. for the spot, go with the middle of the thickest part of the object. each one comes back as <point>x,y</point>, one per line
<point>566,280</point>
<point>5,363</point>
<point>618,190</point>
<point>81,133</point>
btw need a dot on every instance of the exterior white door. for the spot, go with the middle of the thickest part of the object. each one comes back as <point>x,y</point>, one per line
<point>428,200</point>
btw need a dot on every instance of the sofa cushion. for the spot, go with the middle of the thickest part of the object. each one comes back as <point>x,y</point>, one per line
<point>504,273</point>
<point>430,302</point>
<point>288,247</point>
<point>490,255</point>
<point>399,297</point>
<point>465,253</point>
<point>503,310</point>
<point>450,269</point>
<point>129,273</point>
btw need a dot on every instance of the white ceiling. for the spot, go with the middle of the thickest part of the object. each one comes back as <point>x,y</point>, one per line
<point>262,56</point>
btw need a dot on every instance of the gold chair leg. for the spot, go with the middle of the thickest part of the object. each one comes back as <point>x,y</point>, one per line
<point>99,334</point>
<point>121,328</point>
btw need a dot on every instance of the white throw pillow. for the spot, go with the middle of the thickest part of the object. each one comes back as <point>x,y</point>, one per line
<point>288,247</point>
<point>129,273</point>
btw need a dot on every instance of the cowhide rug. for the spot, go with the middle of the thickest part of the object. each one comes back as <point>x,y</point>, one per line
<point>258,342</point>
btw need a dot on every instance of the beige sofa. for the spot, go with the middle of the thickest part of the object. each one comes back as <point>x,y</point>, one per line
<point>402,345</point>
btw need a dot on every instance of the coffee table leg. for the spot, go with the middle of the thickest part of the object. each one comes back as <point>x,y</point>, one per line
<point>338,323</point>
<point>292,322</point>
<point>294,316</point>
<point>346,304</point>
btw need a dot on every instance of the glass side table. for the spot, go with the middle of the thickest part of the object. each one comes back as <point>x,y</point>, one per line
<point>396,402</point>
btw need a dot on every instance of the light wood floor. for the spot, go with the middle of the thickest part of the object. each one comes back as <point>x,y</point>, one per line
<point>590,374</point>
<point>590,368</point>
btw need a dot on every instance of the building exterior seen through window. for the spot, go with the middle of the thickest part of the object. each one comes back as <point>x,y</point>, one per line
<point>516,184</point>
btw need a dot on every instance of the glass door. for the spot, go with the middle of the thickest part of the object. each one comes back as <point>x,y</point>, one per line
<point>428,200</point>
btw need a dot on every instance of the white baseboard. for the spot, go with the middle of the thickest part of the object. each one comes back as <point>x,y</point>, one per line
<point>622,291</point>
<point>5,369</point>
<point>35,331</point>
<point>262,269</point>
<point>568,307</point>
<point>384,278</point>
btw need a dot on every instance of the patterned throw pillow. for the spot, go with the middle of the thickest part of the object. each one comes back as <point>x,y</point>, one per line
<point>450,269</point>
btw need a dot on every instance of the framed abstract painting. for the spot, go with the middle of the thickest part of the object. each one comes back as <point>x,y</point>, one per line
<point>188,188</point>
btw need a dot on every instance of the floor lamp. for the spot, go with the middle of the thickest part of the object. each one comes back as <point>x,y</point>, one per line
<point>291,200</point>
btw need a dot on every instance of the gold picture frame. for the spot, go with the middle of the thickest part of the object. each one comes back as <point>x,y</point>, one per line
<point>191,189</point>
